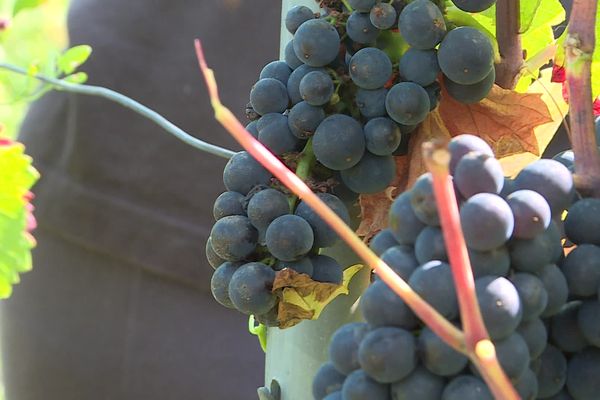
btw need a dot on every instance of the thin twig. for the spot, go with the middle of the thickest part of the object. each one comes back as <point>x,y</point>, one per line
<point>127,102</point>
<point>509,43</point>
<point>579,46</point>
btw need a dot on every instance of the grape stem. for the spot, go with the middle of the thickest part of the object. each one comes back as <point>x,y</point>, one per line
<point>347,5</point>
<point>510,67</point>
<point>127,102</point>
<point>441,326</point>
<point>479,347</point>
<point>307,161</point>
<point>579,46</point>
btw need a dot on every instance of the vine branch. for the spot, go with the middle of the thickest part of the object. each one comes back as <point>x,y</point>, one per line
<point>129,103</point>
<point>509,43</point>
<point>579,47</point>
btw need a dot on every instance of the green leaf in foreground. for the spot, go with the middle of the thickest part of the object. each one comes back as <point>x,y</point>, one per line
<point>72,58</point>
<point>21,5</point>
<point>17,176</point>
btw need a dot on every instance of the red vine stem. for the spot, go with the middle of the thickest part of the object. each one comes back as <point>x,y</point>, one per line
<point>509,69</point>
<point>579,47</point>
<point>442,327</point>
<point>479,347</point>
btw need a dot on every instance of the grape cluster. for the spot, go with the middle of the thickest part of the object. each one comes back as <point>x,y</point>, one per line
<point>567,157</point>
<point>540,307</point>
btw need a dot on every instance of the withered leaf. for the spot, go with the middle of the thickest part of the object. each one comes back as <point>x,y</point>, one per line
<point>505,119</point>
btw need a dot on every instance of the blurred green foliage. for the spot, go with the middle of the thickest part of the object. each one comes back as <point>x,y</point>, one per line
<point>33,37</point>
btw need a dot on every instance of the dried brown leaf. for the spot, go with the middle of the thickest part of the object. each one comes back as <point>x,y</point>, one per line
<point>505,119</point>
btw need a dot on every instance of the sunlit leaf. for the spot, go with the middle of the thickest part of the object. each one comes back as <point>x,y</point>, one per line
<point>21,5</point>
<point>78,77</point>
<point>72,58</point>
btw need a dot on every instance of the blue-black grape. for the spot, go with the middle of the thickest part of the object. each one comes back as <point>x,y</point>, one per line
<point>381,306</point>
<point>293,85</point>
<point>289,237</point>
<point>478,173</point>
<point>466,387</point>
<point>388,354</point>
<point>360,29</point>
<point>535,334</point>
<point>296,16</point>
<point>420,384</point>
<point>233,238</point>
<point>275,134</point>
<point>228,203</point>
<point>213,258</point>
<point>327,380</point>
<point>301,266</point>
<point>500,305</point>
<point>466,55</point>
<point>430,245</point>
<point>423,200</point>
<point>277,70</point>
<point>250,288</point>
<point>324,235</point>
<point>382,136</point>
<point>419,66</point>
<point>583,222</point>
<point>403,221</point>
<point>513,355</point>
<point>290,57</point>
<point>562,395</point>
<point>463,144</point>
<point>339,142</point>
<point>326,269</point>
<point>487,221</point>
<point>564,329</point>
<point>359,386</point>
<point>507,188</point>
<point>316,88</point>
<point>370,68</point>
<point>582,374</point>
<point>552,180</point>
<point>588,321</point>
<point>269,96</point>
<point>437,356</point>
<point>492,262</point>
<point>551,371</point>
<point>219,283</point>
<point>251,127</point>
<point>433,282</point>
<point>383,15</point>
<point>533,294</point>
<point>473,93</point>
<point>371,103</point>
<point>362,6</point>
<point>243,172</point>
<point>407,103</point>
<point>527,385</point>
<point>316,43</point>
<point>265,206</point>
<point>530,255</point>
<point>531,212</point>
<point>566,158</point>
<point>303,119</point>
<point>382,241</point>
<point>269,318</point>
<point>473,6</point>
<point>337,395</point>
<point>422,25</point>
<point>401,259</point>
<point>581,268</point>
<point>556,286</point>
<point>343,346</point>
<point>372,174</point>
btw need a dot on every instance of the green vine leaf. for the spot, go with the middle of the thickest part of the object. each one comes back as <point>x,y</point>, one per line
<point>17,176</point>
<point>78,77</point>
<point>73,58</point>
<point>537,19</point>
<point>21,5</point>
<point>596,59</point>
